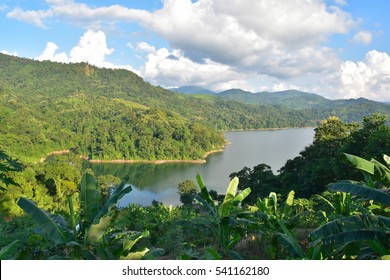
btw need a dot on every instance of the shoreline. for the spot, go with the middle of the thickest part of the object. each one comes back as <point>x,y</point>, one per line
<point>202,160</point>
<point>267,129</point>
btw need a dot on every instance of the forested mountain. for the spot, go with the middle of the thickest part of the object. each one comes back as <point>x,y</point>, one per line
<point>295,99</point>
<point>291,98</point>
<point>193,90</point>
<point>114,114</point>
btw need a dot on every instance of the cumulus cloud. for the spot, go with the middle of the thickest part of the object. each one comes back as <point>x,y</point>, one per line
<point>369,78</point>
<point>259,35</point>
<point>92,48</point>
<point>363,37</point>
<point>50,54</point>
<point>9,53</point>
<point>172,68</point>
<point>269,37</point>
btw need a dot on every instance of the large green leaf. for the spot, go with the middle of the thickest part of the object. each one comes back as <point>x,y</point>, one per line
<point>96,231</point>
<point>117,194</point>
<point>206,205</point>
<point>154,253</point>
<point>354,223</point>
<point>288,241</point>
<point>225,208</point>
<point>89,199</point>
<point>8,252</point>
<point>231,190</point>
<point>362,191</point>
<point>212,254</point>
<point>58,234</point>
<point>384,172</point>
<point>132,240</point>
<point>203,190</point>
<point>135,255</point>
<point>289,203</point>
<point>361,163</point>
<point>274,200</point>
<point>72,216</point>
<point>241,196</point>
<point>387,159</point>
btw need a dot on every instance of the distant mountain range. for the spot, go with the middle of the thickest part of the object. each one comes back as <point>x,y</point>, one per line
<point>292,99</point>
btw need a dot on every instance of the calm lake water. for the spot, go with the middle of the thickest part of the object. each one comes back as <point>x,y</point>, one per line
<point>247,148</point>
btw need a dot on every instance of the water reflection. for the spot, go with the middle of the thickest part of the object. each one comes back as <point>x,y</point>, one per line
<point>247,148</point>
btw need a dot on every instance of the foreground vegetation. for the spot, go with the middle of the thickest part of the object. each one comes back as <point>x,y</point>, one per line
<point>342,214</point>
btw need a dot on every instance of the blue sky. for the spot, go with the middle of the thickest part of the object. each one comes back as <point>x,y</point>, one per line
<point>336,48</point>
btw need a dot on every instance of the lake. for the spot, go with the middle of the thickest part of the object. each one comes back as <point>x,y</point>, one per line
<point>247,148</point>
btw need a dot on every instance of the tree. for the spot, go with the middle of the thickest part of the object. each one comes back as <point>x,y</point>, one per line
<point>187,190</point>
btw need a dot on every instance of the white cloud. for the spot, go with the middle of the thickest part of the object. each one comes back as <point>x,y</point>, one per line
<point>9,53</point>
<point>281,86</point>
<point>364,37</point>
<point>270,37</point>
<point>92,48</point>
<point>369,78</point>
<point>50,54</point>
<point>143,46</point>
<point>77,13</point>
<point>34,17</point>
<point>172,68</point>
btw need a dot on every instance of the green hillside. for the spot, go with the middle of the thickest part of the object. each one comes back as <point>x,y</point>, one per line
<point>113,114</point>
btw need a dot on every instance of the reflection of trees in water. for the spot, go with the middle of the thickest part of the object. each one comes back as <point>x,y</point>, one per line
<point>142,176</point>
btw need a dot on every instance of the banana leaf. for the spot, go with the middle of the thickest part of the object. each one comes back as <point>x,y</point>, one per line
<point>387,159</point>
<point>96,231</point>
<point>89,199</point>
<point>241,196</point>
<point>154,253</point>
<point>56,233</point>
<point>356,223</point>
<point>274,199</point>
<point>384,172</point>
<point>360,163</point>
<point>212,254</point>
<point>362,191</point>
<point>117,194</point>
<point>135,255</point>
<point>206,205</point>
<point>8,252</point>
<point>225,207</point>
<point>288,205</point>
<point>130,242</point>
<point>203,190</point>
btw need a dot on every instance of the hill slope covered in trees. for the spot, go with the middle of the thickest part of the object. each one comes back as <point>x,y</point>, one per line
<point>113,114</point>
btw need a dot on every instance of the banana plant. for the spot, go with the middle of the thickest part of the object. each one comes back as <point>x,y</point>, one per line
<point>88,234</point>
<point>275,219</point>
<point>224,219</point>
<point>363,234</point>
